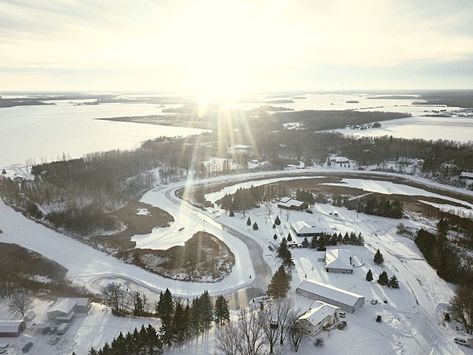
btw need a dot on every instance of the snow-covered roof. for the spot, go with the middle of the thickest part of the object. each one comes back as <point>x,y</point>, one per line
<point>302,227</point>
<point>339,159</point>
<point>330,292</point>
<point>290,202</point>
<point>66,305</point>
<point>338,259</point>
<point>466,174</point>
<point>10,326</point>
<point>320,312</point>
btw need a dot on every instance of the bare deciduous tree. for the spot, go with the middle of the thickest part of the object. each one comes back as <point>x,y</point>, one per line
<point>296,336</point>
<point>20,301</point>
<point>228,339</point>
<point>114,295</point>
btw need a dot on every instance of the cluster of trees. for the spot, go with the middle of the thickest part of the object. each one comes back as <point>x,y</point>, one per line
<point>305,196</point>
<point>451,263</point>
<point>284,253</point>
<point>144,341</point>
<point>372,204</point>
<point>383,279</point>
<point>247,198</point>
<point>280,283</point>
<point>263,331</point>
<point>322,241</point>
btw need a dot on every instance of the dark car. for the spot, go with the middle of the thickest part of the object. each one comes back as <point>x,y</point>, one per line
<point>309,211</point>
<point>460,341</point>
<point>46,330</point>
<point>378,318</point>
<point>27,347</point>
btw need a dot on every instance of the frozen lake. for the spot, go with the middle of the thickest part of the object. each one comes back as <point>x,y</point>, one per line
<point>451,128</point>
<point>44,133</point>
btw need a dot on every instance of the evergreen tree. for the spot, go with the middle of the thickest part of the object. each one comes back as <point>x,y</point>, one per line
<point>179,323</point>
<point>274,226</point>
<point>277,221</point>
<point>378,258</point>
<point>383,279</point>
<point>248,222</point>
<point>289,238</point>
<point>305,243</point>
<point>279,284</point>
<point>275,237</point>
<point>284,253</point>
<point>255,226</point>
<point>222,313</point>
<point>393,282</point>
<point>92,351</point>
<point>138,307</point>
<point>207,310</point>
<point>165,310</point>
<point>369,276</point>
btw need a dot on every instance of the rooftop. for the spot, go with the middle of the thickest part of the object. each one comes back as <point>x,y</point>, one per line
<point>319,312</point>
<point>330,292</point>
<point>338,259</point>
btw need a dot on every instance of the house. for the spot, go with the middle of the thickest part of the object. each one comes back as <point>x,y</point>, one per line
<point>240,149</point>
<point>288,203</point>
<point>340,161</point>
<point>321,315</point>
<point>339,261</point>
<point>11,328</point>
<point>466,175</point>
<point>64,309</point>
<point>303,229</point>
<point>318,291</point>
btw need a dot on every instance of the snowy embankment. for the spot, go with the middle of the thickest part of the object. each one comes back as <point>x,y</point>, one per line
<point>90,267</point>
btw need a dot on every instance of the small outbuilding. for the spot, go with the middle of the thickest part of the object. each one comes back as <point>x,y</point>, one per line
<point>321,315</point>
<point>11,328</point>
<point>303,229</point>
<point>346,300</point>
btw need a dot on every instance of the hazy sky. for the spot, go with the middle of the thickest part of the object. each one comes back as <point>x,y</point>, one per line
<point>219,47</point>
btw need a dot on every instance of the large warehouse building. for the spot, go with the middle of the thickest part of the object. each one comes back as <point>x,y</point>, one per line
<point>346,300</point>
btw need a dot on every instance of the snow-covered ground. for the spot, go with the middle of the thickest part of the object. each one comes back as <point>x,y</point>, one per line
<point>454,128</point>
<point>92,330</point>
<point>390,188</point>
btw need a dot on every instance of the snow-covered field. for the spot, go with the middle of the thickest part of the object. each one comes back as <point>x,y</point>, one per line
<point>390,188</point>
<point>451,128</point>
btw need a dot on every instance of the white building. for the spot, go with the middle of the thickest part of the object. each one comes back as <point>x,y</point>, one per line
<point>288,203</point>
<point>340,161</point>
<point>466,175</point>
<point>303,229</point>
<point>318,317</point>
<point>346,300</point>
<point>11,328</point>
<point>64,309</point>
<point>339,261</point>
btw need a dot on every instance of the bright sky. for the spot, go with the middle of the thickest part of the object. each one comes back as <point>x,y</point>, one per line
<point>219,47</point>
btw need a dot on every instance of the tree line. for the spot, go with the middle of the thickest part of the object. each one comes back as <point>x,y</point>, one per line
<point>372,204</point>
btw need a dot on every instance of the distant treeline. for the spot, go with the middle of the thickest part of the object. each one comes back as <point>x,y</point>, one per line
<point>248,198</point>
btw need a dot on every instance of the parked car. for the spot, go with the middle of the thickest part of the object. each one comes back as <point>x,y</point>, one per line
<point>27,347</point>
<point>342,325</point>
<point>374,302</point>
<point>341,314</point>
<point>3,350</point>
<point>54,340</point>
<point>460,341</point>
<point>309,211</point>
<point>181,229</point>
<point>52,330</point>
<point>46,330</point>
<point>378,318</point>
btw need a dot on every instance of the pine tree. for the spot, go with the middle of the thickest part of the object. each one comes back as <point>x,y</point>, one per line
<point>179,323</point>
<point>378,258</point>
<point>207,310</point>
<point>165,310</point>
<point>383,279</point>
<point>305,243</point>
<point>279,285</point>
<point>289,238</point>
<point>138,307</point>
<point>277,221</point>
<point>92,351</point>
<point>274,226</point>
<point>248,222</point>
<point>393,282</point>
<point>255,226</point>
<point>275,237</point>
<point>222,313</point>
<point>369,276</point>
